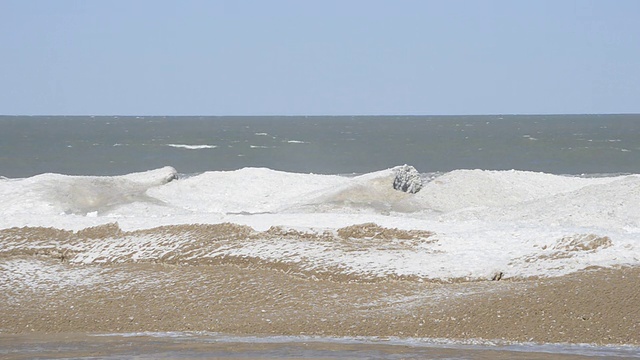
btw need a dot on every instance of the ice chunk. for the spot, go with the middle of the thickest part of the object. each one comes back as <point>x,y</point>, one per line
<point>407,179</point>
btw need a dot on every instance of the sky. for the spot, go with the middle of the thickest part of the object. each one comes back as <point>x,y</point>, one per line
<point>324,57</point>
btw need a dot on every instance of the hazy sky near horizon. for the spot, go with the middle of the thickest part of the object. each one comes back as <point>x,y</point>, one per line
<point>329,57</point>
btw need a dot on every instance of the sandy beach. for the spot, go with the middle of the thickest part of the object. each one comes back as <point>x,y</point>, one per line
<point>600,306</point>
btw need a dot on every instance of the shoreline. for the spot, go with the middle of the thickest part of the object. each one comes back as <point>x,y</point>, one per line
<point>206,345</point>
<point>598,306</point>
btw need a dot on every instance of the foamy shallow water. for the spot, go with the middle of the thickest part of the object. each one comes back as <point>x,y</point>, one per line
<point>481,224</point>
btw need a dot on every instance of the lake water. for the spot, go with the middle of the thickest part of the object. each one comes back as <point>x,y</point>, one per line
<point>562,144</point>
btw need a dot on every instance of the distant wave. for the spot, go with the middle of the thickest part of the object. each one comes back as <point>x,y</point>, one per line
<point>192,147</point>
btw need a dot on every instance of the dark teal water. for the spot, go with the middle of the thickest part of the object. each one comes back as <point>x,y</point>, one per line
<point>560,144</point>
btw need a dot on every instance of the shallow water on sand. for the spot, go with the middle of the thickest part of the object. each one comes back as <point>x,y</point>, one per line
<point>185,345</point>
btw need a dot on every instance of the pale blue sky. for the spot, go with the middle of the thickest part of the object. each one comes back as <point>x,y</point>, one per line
<point>328,57</point>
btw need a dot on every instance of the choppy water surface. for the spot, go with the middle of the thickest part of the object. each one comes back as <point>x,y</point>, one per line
<point>562,144</point>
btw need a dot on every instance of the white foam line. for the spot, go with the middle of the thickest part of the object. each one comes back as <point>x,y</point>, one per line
<point>193,147</point>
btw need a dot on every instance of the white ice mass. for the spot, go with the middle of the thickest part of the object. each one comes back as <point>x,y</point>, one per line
<point>482,222</point>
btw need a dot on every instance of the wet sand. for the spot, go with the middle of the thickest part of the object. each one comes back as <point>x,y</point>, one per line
<point>600,306</point>
<point>207,346</point>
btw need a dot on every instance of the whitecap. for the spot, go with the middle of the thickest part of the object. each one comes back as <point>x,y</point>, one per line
<point>192,147</point>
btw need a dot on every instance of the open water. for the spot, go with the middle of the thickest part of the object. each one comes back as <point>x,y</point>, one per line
<point>560,144</point>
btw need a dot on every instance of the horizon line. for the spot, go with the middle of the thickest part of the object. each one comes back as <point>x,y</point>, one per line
<point>322,115</point>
